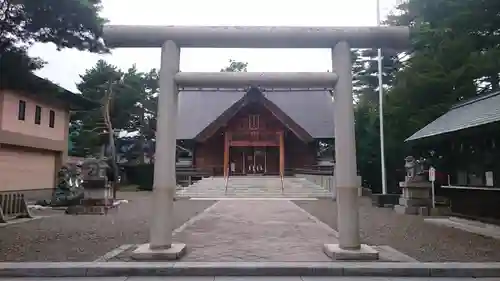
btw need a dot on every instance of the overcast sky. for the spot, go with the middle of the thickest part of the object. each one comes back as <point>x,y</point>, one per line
<point>64,67</point>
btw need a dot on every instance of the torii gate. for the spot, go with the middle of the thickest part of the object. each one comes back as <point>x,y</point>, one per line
<point>340,40</point>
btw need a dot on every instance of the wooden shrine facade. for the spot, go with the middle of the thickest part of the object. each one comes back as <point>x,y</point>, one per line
<point>253,136</point>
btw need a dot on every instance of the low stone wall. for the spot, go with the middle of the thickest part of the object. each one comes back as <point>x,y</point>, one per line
<point>327,182</point>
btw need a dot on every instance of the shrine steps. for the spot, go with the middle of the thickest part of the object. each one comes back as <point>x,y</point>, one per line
<point>254,187</point>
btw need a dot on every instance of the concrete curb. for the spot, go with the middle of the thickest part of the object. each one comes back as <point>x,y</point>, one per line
<point>384,269</point>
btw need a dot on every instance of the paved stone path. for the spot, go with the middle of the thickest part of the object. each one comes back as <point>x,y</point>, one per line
<point>257,230</point>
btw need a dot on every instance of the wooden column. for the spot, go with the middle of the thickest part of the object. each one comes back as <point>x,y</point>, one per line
<point>282,154</point>
<point>226,154</point>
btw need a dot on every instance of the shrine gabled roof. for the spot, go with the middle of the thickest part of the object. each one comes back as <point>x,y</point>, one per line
<point>479,111</point>
<point>312,109</point>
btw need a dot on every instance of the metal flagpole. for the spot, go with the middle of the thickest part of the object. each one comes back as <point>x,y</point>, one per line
<point>381,110</point>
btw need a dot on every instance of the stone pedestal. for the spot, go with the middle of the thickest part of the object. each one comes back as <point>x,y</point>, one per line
<point>364,253</point>
<point>98,195</point>
<point>144,252</point>
<point>415,198</point>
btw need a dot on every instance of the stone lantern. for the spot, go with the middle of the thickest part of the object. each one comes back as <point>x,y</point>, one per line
<point>416,196</point>
<point>97,192</point>
<point>95,183</point>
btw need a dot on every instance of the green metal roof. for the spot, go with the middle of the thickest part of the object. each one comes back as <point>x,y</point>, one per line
<point>472,113</point>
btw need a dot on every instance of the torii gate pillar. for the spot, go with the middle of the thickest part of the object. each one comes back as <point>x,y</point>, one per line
<point>171,38</point>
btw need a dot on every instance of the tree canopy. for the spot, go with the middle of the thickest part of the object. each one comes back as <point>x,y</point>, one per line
<point>132,110</point>
<point>235,66</point>
<point>455,56</point>
<point>67,24</point>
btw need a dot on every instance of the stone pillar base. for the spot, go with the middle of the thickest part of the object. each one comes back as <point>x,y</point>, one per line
<point>364,253</point>
<point>175,252</point>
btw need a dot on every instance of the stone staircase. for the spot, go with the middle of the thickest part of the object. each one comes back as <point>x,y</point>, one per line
<point>254,187</point>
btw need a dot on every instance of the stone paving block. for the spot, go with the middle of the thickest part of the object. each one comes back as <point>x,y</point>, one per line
<point>257,278</point>
<point>352,269</point>
<point>393,269</point>
<point>130,269</point>
<point>43,269</point>
<point>169,278</point>
<point>256,269</point>
<point>123,278</point>
<point>344,278</point>
<point>255,230</point>
<point>454,269</point>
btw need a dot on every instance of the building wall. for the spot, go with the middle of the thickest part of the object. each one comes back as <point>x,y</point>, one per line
<point>209,155</point>
<point>297,153</point>
<point>31,154</point>
<point>266,121</point>
<point>10,122</point>
<point>482,204</point>
<point>28,171</point>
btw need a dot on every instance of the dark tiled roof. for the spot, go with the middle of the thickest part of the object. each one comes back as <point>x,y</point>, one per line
<point>311,109</point>
<point>472,113</point>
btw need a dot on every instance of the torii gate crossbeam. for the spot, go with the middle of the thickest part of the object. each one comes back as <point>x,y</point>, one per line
<point>339,39</point>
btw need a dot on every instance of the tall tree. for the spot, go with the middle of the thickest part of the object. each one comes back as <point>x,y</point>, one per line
<point>90,127</point>
<point>67,24</point>
<point>454,57</point>
<point>132,109</point>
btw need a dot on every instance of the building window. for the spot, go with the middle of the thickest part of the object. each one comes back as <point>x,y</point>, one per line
<point>253,122</point>
<point>21,113</point>
<point>52,117</point>
<point>38,115</point>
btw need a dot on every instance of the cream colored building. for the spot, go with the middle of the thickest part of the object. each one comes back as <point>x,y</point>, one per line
<point>34,121</point>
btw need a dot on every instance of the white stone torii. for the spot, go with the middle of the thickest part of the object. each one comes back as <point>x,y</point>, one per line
<point>256,79</point>
<point>340,40</point>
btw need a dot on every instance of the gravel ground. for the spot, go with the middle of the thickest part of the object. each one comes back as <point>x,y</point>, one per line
<point>87,237</point>
<point>410,234</point>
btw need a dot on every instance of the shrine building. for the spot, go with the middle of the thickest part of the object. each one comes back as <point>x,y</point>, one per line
<point>254,131</point>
